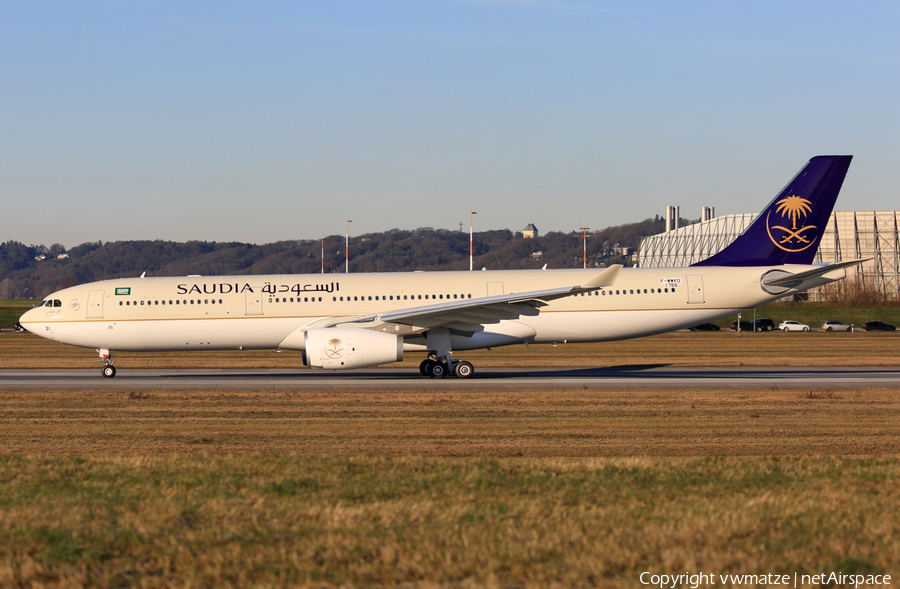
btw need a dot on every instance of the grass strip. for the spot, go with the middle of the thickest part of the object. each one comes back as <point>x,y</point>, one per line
<point>325,521</point>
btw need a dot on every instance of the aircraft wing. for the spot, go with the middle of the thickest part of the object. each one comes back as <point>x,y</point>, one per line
<point>469,315</point>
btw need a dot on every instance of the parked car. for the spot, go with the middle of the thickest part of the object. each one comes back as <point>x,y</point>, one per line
<point>878,326</point>
<point>706,327</point>
<point>758,325</point>
<point>764,324</point>
<point>836,326</point>
<point>791,325</point>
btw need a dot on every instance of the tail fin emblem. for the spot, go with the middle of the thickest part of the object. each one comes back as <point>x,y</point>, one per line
<point>333,349</point>
<point>792,240</point>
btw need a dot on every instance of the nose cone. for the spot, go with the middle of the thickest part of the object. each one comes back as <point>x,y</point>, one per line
<point>29,319</point>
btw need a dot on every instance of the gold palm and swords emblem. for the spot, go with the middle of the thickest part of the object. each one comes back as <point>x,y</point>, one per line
<point>333,349</point>
<point>793,239</point>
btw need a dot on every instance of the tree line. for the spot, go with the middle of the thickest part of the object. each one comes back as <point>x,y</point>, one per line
<point>34,271</point>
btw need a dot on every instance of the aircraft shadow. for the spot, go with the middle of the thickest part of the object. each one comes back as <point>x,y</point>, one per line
<point>660,372</point>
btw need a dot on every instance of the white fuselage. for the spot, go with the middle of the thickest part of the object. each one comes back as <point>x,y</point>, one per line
<point>268,312</point>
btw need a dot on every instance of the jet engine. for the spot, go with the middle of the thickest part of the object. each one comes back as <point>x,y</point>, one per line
<point>341,348</point>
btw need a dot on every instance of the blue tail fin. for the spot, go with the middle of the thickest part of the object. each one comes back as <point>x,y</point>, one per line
<point>788,231</point>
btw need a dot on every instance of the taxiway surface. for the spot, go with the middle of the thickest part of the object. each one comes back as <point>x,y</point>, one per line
<point>637,377</point>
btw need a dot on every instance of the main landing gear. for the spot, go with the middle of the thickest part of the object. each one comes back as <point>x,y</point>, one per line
<point>108,370</point>
<point>439,369</point>
<point>441,363</point>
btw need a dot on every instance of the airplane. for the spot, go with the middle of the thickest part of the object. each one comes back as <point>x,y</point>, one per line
<point>358,320</point>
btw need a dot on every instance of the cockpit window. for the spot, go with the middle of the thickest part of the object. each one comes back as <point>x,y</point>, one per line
<point>57,303</point>
<point>42,303</point>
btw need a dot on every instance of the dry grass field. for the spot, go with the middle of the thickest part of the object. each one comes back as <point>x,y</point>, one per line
<point>532,488</point>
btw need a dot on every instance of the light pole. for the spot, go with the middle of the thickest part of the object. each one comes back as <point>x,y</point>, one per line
<point>323,255</point>
<point>347,246</point>
<point>584,240</point>
<point>471,248</point>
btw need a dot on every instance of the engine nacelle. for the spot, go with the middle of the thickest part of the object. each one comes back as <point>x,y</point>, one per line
<point>341,348</point>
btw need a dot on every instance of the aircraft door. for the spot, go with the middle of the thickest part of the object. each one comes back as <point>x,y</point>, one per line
<point>494,288</point>
<point>95,304</point>
<point>253,303</point>
<point>695,289</point>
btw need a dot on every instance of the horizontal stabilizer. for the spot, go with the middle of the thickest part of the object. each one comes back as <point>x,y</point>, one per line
<point>795,280</point>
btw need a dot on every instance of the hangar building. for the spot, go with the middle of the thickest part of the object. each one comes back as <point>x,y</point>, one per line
<point>849,235</point>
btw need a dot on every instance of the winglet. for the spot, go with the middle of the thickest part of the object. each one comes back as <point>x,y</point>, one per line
<point>605,278</point>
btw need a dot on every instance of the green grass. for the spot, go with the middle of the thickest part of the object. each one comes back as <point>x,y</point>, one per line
<point>12,309</point>
<point>814,314</point>
<point>300,520</point>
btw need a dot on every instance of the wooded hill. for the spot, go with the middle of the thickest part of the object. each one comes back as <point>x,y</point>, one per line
<point>23,275</point>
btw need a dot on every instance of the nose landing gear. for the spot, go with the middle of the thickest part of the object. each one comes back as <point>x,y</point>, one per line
<point>108,370</point>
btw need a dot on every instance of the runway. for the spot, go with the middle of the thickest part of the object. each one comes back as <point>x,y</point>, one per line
<point>634,377</point>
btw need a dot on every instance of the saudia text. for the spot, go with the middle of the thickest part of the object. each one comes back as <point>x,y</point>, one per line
<point>268,287</point>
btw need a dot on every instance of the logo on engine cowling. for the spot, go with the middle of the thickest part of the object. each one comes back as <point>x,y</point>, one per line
<point>333,348</point>
<point>792,239</point>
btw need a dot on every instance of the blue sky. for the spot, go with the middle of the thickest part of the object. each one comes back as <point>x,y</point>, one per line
<point>279,120</point>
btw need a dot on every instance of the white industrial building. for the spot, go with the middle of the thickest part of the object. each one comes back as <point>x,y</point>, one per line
<point>849,235</point>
